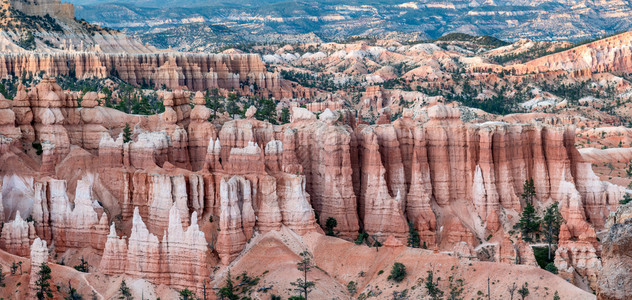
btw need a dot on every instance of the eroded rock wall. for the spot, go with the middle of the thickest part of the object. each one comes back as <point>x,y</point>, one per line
<point>454,183</point>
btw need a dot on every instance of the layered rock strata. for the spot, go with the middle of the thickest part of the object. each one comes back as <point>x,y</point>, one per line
<point>198,72</point>
<point>77,227</point>
<point>178,260</point>
<point>17,236</point>
<point>454,183</point>
<point>615,277</point>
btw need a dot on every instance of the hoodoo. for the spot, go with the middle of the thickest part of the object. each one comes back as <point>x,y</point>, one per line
<point>305,165</point>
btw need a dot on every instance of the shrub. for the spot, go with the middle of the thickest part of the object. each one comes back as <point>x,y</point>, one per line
<point>186,294</point>
<point>1,277</point>
<point>362,237</point>
<point>83,266</point>
<point>626,199</point>
<point>38,148</point>
<point>524,291</point>
<point>541,256</point>
<point>352,287</point>
<point>330,224</point>
<point>551,268</point>
<point>398,272</point>
<point>432,286</point>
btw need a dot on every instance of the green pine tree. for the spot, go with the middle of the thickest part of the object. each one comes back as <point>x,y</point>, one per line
<point>187,294</point>
<point>127,133</point>
<point>524,291</point>
<point>330,224</point>
<point>432,286</point>
<point>231,105</point>
<point>302,285</point>
<point>285,115</point>
<point>551,223</point>
<point>43,285</point>
<point>398,272</point>
<point>529,191</point>
<point>228,291</point>
<point>413,236</point>
<point>2,284</point>
<point>529,223</point>
<point>125,292</point>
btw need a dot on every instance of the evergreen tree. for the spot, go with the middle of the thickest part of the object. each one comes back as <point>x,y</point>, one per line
<point>626,198</point>
<point>398,272</point>
<point>28,42</point>
<point>285,115</point>
<point>376,243</point>
<point>126,294</point>
<point>186,294</point>
<point>529,223</point>
<point>231,105</point>
<point>523,291</point>
<point>2,284</point>
<point>212,102</point>
<point>108,96</point>
<point>122,105</point>
<point>72,293</point>
<point>5,93</point>
<point>330,224</point>
<point>551,223</point>
<point>43,285</point>
<point>83,266</point>
<point>352,287</point>
<point>551,267</point>
<point>266,111</point>
<point>362,238</point>
<point>456,288</point>
<point>228,291</point>
<point>413,236</point>
<point>529,191</point>
<point>141,107</point>
<point>127,133</point>
<point>432,286</point>
<point>302,285</point>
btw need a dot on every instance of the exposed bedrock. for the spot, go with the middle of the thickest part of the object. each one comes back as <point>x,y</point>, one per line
<point>454,183</point>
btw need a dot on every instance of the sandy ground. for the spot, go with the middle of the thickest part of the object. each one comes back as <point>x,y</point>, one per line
<point>272,258</point>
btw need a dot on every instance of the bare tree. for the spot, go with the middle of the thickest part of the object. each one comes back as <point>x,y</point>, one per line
<point>512,290</point>
<point>489,293</point>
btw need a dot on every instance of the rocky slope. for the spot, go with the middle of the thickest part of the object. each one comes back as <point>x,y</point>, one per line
<point>610,54</point>
<point>51,26</point>
<point>186,210</point>
<point>615,279</point>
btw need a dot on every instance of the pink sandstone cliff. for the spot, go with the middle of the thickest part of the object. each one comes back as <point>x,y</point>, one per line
<point>456,183</point>
<point>198,72</point>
